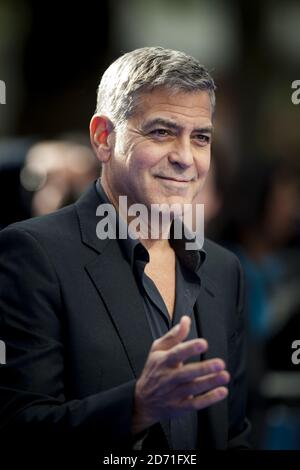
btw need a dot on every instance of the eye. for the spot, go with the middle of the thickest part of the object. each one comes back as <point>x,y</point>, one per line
<point>203,139</point>
<point>160,132</point>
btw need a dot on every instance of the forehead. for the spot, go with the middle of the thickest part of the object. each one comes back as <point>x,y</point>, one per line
<point>191,107</point>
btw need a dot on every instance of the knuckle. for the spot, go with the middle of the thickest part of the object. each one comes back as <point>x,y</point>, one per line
<point>174,356</point>
<point>172,333</point>
<point>204,370</point>
<point>155,345</point>
<point>158,357</point>
<point>154,359</point>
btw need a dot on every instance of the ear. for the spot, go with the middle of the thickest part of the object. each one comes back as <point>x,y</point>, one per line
<point>100,129</point>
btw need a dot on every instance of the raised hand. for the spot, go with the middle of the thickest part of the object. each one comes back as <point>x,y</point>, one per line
<point>168,387</point>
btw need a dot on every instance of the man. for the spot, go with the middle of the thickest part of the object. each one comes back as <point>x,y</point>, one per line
<point>137,344</point>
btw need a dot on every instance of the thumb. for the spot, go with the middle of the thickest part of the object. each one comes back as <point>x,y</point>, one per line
<point>176,335</point>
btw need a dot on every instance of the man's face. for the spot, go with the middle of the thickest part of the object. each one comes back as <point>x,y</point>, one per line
<point>163,153</point>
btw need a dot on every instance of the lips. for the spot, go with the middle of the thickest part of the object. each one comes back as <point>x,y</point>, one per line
<point>178,180</point>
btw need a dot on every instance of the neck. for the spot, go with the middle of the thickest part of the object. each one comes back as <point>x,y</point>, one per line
<point>155,241</point>
<point>156,246</point>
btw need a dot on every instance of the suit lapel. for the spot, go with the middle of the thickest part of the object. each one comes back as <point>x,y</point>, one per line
<point>211,325</point>
<point>114,281</point>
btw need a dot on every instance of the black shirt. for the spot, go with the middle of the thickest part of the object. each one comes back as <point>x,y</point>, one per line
<point>182,431</point>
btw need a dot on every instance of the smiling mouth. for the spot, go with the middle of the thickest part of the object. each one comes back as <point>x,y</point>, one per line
<point>176,180</point>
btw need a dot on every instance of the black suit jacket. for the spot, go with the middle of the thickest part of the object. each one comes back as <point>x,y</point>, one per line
<point>77,336</point>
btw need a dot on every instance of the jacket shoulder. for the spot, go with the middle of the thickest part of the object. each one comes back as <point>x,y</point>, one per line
<point>49,230</point>
<point>221,265</point>
<point>217,253</point>
<point>42,222</point>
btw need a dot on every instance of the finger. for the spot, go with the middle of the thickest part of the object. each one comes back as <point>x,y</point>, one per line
<point>189,372</point>
<point>202,385</point>
<point>183,351</point>
<point>205,400</point>
<point>175,336</point>
<point>179,377</point>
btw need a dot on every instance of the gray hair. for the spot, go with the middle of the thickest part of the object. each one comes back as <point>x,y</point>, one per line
<point>143,70</point>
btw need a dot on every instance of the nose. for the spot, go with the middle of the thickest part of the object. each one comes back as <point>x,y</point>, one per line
<point>181,154</point>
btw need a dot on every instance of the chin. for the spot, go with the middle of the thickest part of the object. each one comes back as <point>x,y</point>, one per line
<point>178,201</point>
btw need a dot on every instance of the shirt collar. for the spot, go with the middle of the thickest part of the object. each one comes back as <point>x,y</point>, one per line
<point>133,249</point>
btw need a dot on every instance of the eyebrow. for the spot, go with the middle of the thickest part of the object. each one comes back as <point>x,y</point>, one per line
<point>173,125</point>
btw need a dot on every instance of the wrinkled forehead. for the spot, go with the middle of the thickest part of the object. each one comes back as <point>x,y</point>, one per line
<point>177,106</point>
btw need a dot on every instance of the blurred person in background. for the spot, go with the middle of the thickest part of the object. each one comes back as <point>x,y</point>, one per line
<point>56,173</point>
<point>215,191</point>
<point>262,222</point>
<point>14,205</point>
<point>262,214</point>
<point>38,177</point>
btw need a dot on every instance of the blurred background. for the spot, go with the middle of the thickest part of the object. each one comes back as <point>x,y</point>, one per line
<point>52,56</point>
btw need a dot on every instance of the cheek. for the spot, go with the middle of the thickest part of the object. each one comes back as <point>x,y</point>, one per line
<point>203,163</point>
<point>144,156</point>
